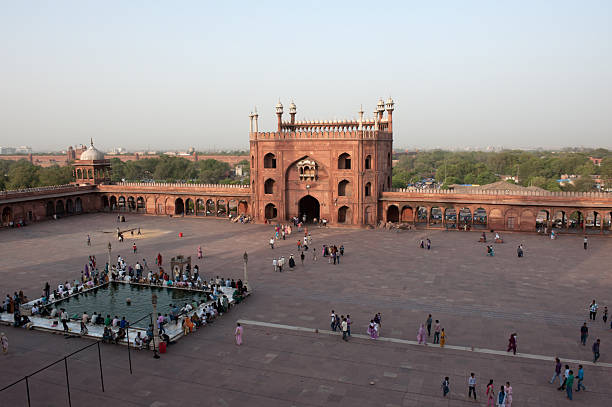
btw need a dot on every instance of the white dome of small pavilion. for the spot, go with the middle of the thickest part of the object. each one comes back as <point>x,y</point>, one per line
<point>92,154</point>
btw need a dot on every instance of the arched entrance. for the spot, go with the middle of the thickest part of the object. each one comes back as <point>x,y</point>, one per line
<point>392,214</point>
<point>7,215</point>
<point>310,207</point>
<point>179,207</point>
<point>344,215</point>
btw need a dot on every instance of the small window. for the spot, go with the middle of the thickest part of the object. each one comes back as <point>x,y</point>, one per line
<point>344,162</point>
<point>344,188</point>
<point>368,162</point>
<point>269,161</point>
<point>368,189</point>
<point>269,186</point>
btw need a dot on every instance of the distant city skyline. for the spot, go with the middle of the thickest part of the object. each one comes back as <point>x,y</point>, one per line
<point>162,77</point>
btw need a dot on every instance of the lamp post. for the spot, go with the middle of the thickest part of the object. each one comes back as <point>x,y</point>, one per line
<point>155,330</point>
<point>245,258</point>
<point>110,247</point>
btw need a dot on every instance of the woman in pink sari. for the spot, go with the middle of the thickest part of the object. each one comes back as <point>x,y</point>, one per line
<point>199,252</point>
<point>421,335</point>
<point>238,333</point>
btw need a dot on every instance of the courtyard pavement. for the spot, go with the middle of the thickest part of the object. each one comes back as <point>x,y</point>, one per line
<point>479,300</point>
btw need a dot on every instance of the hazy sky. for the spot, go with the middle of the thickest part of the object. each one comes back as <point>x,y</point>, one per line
<point>164,74</point>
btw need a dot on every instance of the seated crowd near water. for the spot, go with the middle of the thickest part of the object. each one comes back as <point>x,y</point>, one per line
<point>208,309</point>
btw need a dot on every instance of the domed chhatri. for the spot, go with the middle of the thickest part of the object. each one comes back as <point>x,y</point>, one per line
<point>92,167</point>
<point>92,154</point>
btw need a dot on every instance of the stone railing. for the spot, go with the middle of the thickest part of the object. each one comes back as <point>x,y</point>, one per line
<point>53,188</point>
<point>180,185</point>
<point>469,191</point>
<point>314,134</point>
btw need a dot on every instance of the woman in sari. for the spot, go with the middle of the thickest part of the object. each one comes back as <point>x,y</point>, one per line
<point>442,338</point>
<point>373,330</point>
<point>421,337</point>
<point>199,252</point>
<point>238,334</point>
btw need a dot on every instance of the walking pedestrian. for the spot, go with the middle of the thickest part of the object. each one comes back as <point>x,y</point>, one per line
<point>596,350</point>
<point>593,310</point>
<point>199,252</point>
<point>442,338</point>
<point>585,242</point>
<point>436,332</point>
<point>490,394</point>
<point>584,334</point>
<point>501,397</point>
<point>472,386</point>
<point>565,375</point>
<point>512,343</point>
<point>333,320</point>
<point>421,335</point>
<point>605,315</point>
<point>4,341</point>
<point>272,243</point>
<point>64,319</point>
<point>429,320</point>
<point>314,254</point>
<point>557,372</point>
<point>508,390</point>
<point>348,324</point>
<point>238,334</point>
<point>445,386</point>
<point>570,384</point>
<point>134,247</point>
<point>302,258</point>
<point>428,244</point>
<point>580,378</point>
<point>88,240</point>
<point>344,326</point>
<point>275,264</point>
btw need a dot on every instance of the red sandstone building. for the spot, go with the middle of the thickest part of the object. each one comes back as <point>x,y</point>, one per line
<point>335,170</point>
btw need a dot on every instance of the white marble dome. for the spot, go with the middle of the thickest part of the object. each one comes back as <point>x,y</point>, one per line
<point>92,154</point>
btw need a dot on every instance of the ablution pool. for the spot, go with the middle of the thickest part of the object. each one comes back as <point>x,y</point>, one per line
<point>111,299</point>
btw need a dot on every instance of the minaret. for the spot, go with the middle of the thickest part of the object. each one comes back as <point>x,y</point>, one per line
<point>375,120</point>
<point>279,115</point>
<point>251,122</point>
<point>292,112</point>
<point>255,118</point>
<point>361,118</point>
<point>390,105</point>
<point>380,109</point>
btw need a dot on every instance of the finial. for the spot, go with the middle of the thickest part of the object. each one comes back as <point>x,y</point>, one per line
<point>91,139</point>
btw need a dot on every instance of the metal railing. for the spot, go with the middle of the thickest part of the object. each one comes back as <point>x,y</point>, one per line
<point>64,359</point>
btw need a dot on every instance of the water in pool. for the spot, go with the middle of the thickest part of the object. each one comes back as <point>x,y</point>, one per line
<point>112,300</point>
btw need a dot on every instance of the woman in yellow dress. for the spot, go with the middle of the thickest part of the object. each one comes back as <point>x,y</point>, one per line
<point>442,338</point>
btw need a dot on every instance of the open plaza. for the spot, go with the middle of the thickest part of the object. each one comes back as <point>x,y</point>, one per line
<point>288,356</point>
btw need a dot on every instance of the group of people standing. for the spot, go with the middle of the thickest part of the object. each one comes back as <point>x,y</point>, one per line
<point>566,380</point>
<point>502,398</point>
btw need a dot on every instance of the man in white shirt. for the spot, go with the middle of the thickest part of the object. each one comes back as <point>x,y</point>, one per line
<point>271,243</point>
<point>472,386</point>
<point>333,320</point>
<point>85,317</point>
<point>344,326</point>
<point>275,264</point>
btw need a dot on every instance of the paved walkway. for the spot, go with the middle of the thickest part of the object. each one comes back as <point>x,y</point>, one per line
<point>408,342</point>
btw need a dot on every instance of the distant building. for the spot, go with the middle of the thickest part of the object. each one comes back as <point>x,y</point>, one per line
<point>596,161</point>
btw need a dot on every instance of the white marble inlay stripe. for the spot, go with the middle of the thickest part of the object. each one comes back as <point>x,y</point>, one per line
<point>409,342</point>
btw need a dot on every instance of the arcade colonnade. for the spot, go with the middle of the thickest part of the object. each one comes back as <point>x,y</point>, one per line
<point>499,217</point>
<point>181,204</point>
